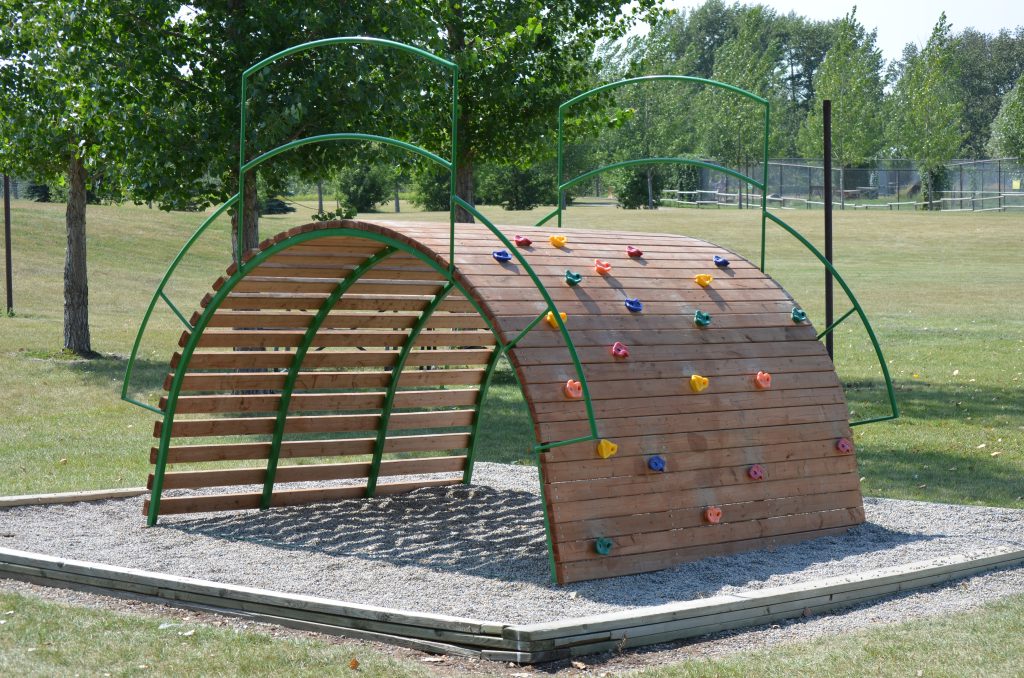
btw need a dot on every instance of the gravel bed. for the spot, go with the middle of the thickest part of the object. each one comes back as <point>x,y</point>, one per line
<point>479,551</point>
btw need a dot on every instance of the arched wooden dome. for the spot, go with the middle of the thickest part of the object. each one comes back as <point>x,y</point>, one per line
<point>350,338</point>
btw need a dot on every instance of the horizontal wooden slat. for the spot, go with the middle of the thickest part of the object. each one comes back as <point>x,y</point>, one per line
<point>338,338</point>
<point>369,319</point>
<point>321,424</point>
<point>177,480</point>
<point>232,381</point>
<point>234,502</point>
<point>295,449</point>
<point>333,359</point>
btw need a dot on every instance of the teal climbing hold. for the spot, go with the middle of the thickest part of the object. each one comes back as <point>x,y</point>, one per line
<point>573,279</point>
<point>701,319</point>
<point>799,315</point>
<point>603,545</point>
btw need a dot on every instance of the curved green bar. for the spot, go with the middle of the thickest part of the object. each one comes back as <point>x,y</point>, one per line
<point>860,312</point>
<point>649,78</point>
<point>344,136</point>
<point>348,40</point>
<point>160,293</point>
<point>300,356</point>
<point>655,161</point>
<point>551,307</point>
<point>396,375</point>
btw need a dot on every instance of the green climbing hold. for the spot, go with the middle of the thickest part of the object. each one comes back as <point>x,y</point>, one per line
<point>603,545</point>
<point>701,319</point>
<point>799,315</point>
<point>573,279</point>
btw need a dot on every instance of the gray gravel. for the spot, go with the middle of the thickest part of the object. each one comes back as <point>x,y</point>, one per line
<point>479,551</point>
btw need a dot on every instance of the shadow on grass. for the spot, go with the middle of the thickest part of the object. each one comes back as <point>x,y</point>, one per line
<point>499,534</point>
<point>922,400</point>
<point>146,374</point>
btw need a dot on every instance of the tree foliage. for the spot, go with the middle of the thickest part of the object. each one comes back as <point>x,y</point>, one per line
<point>1007,139</point>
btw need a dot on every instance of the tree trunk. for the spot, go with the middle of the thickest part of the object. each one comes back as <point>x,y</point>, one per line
<point>398,204</point>
<point>319,197</point>
<point>76,280</point>
<point>464,189</point>
<point>650,188</point>
<point>250,229</point>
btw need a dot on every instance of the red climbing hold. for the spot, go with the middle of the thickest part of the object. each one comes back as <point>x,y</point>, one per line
<point>634,251</point>
<point>573,389</point>
<point>763,380</point>
<point>522,241</point>
<point>602,267</point>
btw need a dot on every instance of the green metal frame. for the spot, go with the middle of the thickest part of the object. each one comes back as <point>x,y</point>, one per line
<point>564,184</point>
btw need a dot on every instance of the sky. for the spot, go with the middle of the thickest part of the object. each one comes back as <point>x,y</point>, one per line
<point>899,21</point>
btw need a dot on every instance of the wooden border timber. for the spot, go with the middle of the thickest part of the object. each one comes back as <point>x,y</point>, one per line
<point>70,497</point>
<point>520,643</point>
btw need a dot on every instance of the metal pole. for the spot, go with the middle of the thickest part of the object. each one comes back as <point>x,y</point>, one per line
<point>7,244</point>
<point>827,125</point>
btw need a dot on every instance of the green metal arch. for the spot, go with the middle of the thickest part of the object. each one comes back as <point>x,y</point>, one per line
<point>388,242</point>
<point>656,161</point>
<point>345,136</point>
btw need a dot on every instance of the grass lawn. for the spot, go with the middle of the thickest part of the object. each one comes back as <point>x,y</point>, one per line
<point>942,290</point>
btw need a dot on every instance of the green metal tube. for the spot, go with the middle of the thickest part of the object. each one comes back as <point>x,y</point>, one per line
<point>174,308</point>
<point>300,356</point>
<point>347,40</point>
<point>835,324</point>
<point>467,473</point>
<point>344,136</point>
<point>659,161</point>
<point>651,78</point>
<point>549,216</point>
<point>563,443</point>
<point>533,323</point>
<point>159,292</point>
<point>860,312</point>
<point>396,375</point>
<point>547,525</point>
<point>764,189</point>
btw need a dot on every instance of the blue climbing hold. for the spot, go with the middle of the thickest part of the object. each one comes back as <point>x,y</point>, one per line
<point>501,255</point>
<point>656,463</point>
<point>721,262</point>
<point>634,305</point>
<point>603,545</point>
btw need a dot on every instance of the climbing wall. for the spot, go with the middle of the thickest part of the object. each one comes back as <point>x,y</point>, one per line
<point>721,423</point>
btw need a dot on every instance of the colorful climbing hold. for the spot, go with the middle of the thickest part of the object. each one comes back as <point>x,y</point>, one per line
<point>703,279</point>
<point>558,240</point>
<point>698,383</point>
<point>573,389</point>
<point>573,279</point>
<point>799,315</point>
<point>721,262</point>
<point>602,267</point>
<point>762,380</point>
<point>844,446</point>
<point>656,463</point>
<point>634,252</point>
<point>634,305</point>
<point>606,448</point>
<point>756,472</point>
<point>501,256</point>
<point>713,515</point>
<point>550,317</point>
<point>620,350</point>
<point>603,545</point>
<point>701,319</point>
<point>522,241</point>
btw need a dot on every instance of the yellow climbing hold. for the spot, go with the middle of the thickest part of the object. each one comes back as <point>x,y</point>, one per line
<point>550,317</point>
<point>698,383</point>
<point>606,448</point>
<point>558,240</point>
<point>703,279</point>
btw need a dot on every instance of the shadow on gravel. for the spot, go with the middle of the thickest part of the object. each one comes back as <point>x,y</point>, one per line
<point>484,532</point>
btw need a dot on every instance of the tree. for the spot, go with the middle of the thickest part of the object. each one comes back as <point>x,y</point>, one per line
<point>80,84</point>
<point>1007,139</point>
<point>926,108</point>
<point>851,78</point>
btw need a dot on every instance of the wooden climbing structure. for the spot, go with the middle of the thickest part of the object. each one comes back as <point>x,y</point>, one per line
<point>682,402</point>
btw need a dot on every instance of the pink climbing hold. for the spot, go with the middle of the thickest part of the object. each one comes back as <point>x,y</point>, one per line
<point>763,380</point>
<point>713,515</point>
<point>620,350</point>
<point>573,389</point>
<point>756,472</point>
<point>844,446</point>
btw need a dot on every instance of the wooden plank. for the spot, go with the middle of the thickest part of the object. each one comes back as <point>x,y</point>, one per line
<point>617,309</point>
<point>636,504</point>
<point>659,483</point>
<point>238,381</point>
<point>261,284</point>
<point>340,338</point>
<point>276,269</point>
<point>310,402</point>
<point>678,318</point>
<point>598,356</point>
<point>609,298</point>
<point>333,359</point>
<point>183,428</point>
<point>394,320</point>
<point>312,302</point>
<point>635,370</point>
<point>295,449</point>
<point>687,334</point>
<point>69,497</point>
<point>176,480</point>
<point>700,422</point>
<point>692,517</point>
<point>239,501</point>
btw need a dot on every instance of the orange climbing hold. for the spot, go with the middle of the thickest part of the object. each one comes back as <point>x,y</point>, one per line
<point>713,515</point>
<point>602,267</point>
<point>573,389</point>
<point>558,240</point>
<point>763,380</point>
<point>606,448</point>
<point>703,279</point>
<point>698,383</point>
<point>550,317</point>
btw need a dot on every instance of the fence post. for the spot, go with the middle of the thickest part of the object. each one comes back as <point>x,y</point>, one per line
<point>7,244</point>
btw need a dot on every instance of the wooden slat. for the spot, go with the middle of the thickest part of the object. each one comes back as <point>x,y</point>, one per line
<point>239,381</point>
<point>234,502</point>
<point>259,284</point>
<point>340,338</point>
<point>177,480</point>
<point>346,303</point>
<point>319,424</point>
<point>333,359</point>
<point>296,449</point>
<point>309,402</point>
<point>598,356</point>
<point>685,335</point>
<point>394,320</point>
